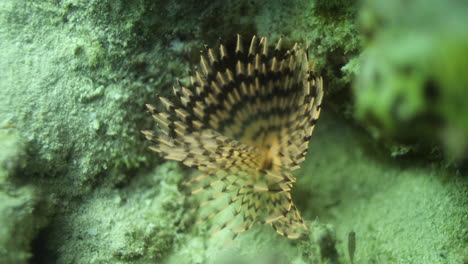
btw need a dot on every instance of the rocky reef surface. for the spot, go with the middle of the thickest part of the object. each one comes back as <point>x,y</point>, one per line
<point>387,162</point>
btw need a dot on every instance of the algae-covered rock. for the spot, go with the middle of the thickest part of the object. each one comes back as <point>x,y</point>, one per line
<point>70,88</point>
<point>137,223</point>
<point>406,212</point>
<point>12,155</point>
<point>328,28</point>
<point>412,84</point>
<point>22,217</point>
<point>23,212</point>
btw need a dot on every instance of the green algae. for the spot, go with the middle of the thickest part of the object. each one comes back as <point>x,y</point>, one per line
<point>137,223</point>
<point>412,82</point>
<point>67,51</point>
<point>82,186</point>
<point>401,212</point>
<point>20,221</point>
<point>330,30</point>
<point>23,211</point>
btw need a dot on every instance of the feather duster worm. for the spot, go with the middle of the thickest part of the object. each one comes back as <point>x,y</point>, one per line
<point>245,122</point>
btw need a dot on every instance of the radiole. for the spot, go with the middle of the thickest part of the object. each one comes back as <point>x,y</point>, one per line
<point>245,122</point>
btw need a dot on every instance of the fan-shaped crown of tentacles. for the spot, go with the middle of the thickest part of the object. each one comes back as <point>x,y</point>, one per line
<point>245,122</point>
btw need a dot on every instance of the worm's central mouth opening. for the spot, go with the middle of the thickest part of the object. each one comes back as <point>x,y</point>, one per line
<point>267,163</point>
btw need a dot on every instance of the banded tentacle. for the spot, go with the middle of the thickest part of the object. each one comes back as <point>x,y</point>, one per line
<point>245,120</point>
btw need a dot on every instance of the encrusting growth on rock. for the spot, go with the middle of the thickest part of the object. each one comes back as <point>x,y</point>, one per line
<point>245,122</point>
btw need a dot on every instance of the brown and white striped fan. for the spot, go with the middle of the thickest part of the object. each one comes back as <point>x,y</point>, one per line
<point>245,122</point>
